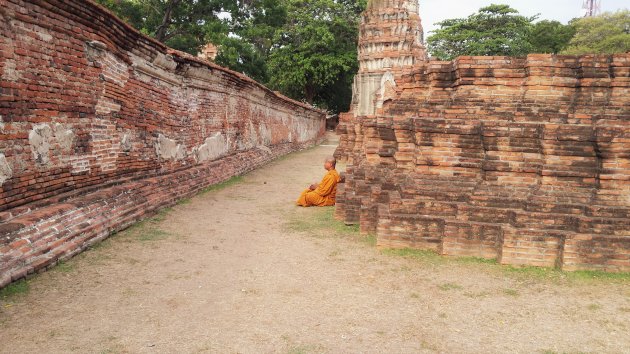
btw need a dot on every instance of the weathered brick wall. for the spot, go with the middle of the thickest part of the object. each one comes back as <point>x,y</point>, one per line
<point>100,125</point>
<point>526,160</point>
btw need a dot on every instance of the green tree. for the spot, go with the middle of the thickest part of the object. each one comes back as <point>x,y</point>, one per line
<point>253,25</point>
<point>550,37</point>
<point>314,53</point>
<point>257,22</point>
<point>180,24</point>
<point>239,55</point>
<point>128,11</point>
<point>604,34</point>
<point>494,30</point>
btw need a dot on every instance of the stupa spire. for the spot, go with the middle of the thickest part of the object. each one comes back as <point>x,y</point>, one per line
<point>390,39</point>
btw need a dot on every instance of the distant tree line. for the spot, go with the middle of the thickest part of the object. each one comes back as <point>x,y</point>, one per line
<point>307,48</point>
<point>501,30</point>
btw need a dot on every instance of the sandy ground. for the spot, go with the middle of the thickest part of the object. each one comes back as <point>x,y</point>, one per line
<point>242,270</point>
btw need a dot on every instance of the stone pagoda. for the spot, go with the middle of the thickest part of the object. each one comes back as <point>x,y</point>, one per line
<point>390,40</point>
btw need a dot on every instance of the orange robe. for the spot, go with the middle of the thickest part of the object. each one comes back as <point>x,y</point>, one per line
<point>324,194</point>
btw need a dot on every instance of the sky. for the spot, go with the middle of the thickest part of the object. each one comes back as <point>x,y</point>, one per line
<point>433,11</point>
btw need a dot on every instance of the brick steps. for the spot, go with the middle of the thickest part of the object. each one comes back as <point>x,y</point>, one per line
<point>465,165</point>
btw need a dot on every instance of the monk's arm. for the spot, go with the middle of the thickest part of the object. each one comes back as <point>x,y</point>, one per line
<point>326,186</point>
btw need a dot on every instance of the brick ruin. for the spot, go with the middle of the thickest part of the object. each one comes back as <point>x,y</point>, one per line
<point>100,126</point>
<point>526,160</point>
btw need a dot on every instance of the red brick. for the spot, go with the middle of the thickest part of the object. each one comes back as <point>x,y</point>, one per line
<point>78,180</point>
<point>496,157</point>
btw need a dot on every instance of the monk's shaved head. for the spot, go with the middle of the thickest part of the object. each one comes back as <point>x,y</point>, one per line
<point>332,161</point>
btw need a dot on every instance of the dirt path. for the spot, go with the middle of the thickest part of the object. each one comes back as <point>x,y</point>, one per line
<point>241,270</point>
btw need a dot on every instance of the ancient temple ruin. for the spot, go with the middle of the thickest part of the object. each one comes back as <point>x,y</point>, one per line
<point>526,160</point>
<point>391,40</point>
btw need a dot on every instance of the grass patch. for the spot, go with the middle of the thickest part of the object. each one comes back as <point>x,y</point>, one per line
<point>597,274</point>
<point>432,257</point>
<point>426,256</point>
<point>159,217</point>
<point>511,292</point>
<point>320,222</point>
<point>369,240</point>
<point>475,260</point>
<point>534,272</point>
<point>450,286</point>
<point>594,307</point>
<point>153,235</point>
<point>17,288</point>
<point>101,245</point>
<point>428,346</point>
<point>97,252</point>
<point>148,229</point>
<point>301,225</point>
<point>184,201</point>
<point>64,267</point>
<point>527,272</point>
<point>477,295</point>
<point>557,274</point>
<point>334,253</point>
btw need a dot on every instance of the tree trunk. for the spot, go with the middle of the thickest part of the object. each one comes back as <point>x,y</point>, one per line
<point>309,93</point>
<point>161,31</point>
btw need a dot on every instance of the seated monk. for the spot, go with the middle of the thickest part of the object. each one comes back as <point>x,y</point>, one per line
<point>324,193</point>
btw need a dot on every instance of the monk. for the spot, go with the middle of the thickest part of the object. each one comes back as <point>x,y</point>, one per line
<point>324,193</point>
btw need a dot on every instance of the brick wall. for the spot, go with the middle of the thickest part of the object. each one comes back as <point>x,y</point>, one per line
<point>100,125</point>
<point>526,160</point>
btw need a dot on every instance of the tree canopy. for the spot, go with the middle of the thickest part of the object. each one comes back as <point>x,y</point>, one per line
<point>315,49</point>
<point>550,37</point>
<point>500,30</point>
<point>181,24</point>
<point>245,47</point>
<point>493,30</point>
<point>607,33</point>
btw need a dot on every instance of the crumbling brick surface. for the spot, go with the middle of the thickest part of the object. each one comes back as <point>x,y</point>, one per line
<point>526,160</point>
<point>100,126</point>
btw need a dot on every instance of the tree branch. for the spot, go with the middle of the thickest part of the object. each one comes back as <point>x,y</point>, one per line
<point>160,32</point>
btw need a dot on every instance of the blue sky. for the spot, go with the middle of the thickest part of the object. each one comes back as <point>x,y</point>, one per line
<point>433,11</point>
